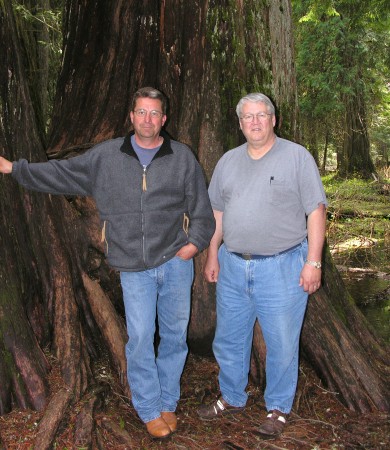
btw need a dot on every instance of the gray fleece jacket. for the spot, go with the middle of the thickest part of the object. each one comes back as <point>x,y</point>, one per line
<point>147,214</point>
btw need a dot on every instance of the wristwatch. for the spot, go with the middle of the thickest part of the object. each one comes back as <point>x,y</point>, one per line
<point>316,264</point>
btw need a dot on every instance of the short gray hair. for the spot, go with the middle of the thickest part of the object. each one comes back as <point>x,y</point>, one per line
<point>149,92</point>
<point>255,97</point>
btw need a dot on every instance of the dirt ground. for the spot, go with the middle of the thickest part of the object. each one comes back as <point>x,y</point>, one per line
<point>318,420</point>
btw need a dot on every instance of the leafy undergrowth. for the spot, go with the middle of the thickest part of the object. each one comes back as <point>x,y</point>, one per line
<point>357,195</point>
<point>357,208</point>
<point>358,225</point>
<point>318,420</point>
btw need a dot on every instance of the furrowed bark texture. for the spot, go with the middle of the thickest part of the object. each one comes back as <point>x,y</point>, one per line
<point>42,245</point>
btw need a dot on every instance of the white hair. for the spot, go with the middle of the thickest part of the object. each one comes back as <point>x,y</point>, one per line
<point>255,97</point>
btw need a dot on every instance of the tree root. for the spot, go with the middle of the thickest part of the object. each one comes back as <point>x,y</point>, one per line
<point>119,434</point>
<point>84,427</point>
<point>110,325</point>
<point>50,422</point>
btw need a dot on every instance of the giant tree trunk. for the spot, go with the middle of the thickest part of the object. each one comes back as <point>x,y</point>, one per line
<point>203,90</point>
<point>44,301</point>
<point>203,55</point>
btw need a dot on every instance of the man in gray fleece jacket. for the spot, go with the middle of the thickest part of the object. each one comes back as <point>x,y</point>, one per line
<point>156,215</point>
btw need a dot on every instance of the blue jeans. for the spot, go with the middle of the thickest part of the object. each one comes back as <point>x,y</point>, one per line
<point>154,380</point>
<point>267,289</point>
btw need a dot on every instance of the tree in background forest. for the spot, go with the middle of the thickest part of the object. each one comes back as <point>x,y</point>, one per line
<point>57,294</point>
<point>343,67</point>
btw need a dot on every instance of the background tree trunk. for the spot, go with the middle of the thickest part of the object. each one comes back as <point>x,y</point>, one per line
<point>204,56</point>
<point>357,158</point>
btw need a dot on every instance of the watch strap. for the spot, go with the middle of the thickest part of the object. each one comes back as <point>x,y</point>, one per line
<point>316,264</point>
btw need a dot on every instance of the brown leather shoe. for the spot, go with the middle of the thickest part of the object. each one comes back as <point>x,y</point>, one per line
<point>171,419</point>
<point>158,428</point>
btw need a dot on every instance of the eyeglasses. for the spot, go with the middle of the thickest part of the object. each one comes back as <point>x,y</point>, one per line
<point>250,117</point>
<point>153,114</point>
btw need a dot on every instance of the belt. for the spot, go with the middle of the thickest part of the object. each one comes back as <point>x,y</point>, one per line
<point>249,256</point>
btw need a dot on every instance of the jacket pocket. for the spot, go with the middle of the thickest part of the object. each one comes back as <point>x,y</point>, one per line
<point>186,223</point>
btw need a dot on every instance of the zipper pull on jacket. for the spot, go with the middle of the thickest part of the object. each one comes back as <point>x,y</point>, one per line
<point>144,188</point>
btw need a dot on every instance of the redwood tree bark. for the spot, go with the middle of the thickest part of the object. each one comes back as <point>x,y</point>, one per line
<point>21,359</point>
<point>204,56</point>
<point>43,301</point>
<point>202,64</point>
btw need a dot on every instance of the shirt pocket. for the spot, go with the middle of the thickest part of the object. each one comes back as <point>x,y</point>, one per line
<point>280,192</point>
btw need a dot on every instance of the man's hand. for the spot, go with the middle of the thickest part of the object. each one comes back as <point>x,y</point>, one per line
<point>211,269</point>
<point>310,279</point>
<point>188,251</point>
<point>5,165</point>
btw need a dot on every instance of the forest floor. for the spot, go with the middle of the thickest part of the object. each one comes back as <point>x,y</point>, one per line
<point>318,420</point>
